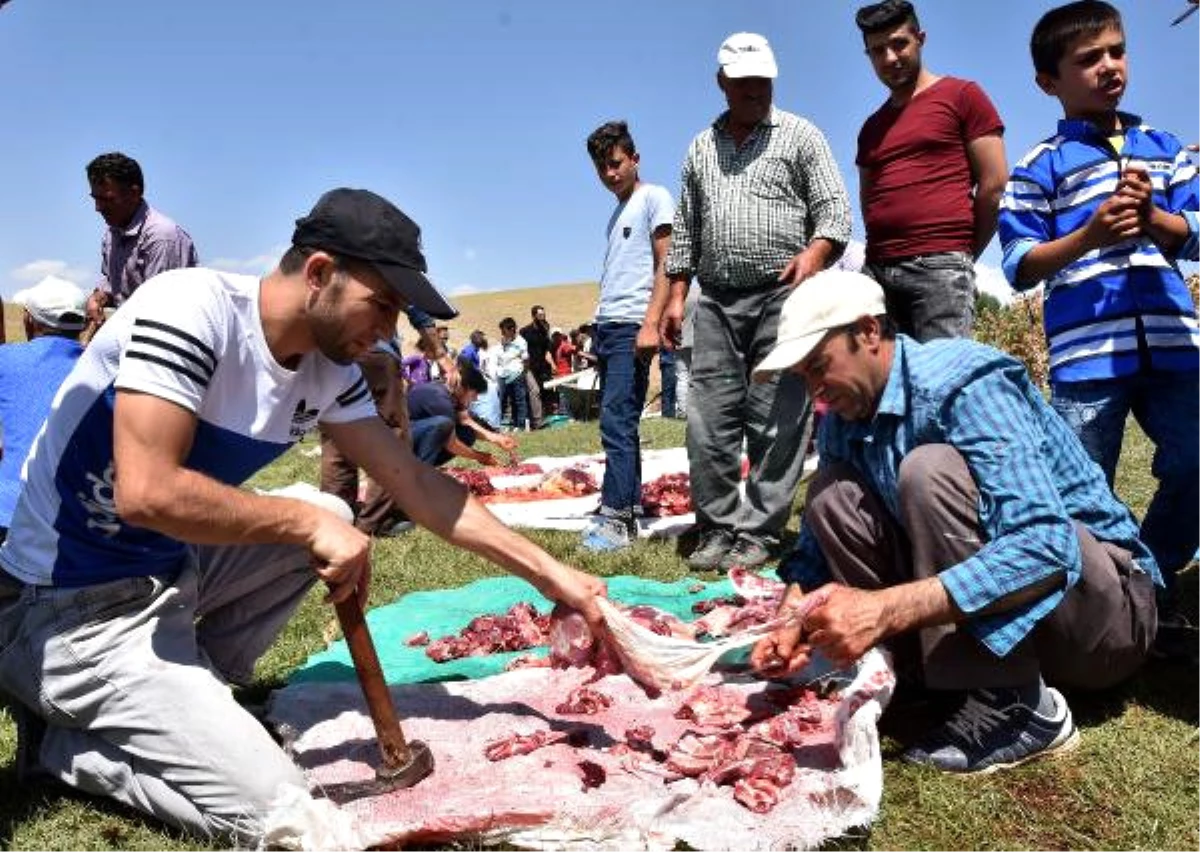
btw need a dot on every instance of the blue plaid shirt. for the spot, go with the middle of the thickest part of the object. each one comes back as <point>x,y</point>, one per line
<point>1033,475</point>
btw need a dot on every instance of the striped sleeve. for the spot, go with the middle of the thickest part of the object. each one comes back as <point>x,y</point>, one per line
<point>353,402</point>
<point>1183,189</point>
<point>1026,215</point>
<point>172,349</point>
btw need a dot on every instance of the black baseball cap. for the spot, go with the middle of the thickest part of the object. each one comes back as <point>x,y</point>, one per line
<point>357,223</point>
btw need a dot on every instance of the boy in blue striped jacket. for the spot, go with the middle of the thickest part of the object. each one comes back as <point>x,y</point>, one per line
<point>1102,212</point>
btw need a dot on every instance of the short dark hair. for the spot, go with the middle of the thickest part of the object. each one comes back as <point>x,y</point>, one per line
<point>470,378</point>
<point>611,134</point>
<point>533,311</point>
<point>508,324</point>
<point>1055,30</point>
<point>118,168</point>
<point>879,17</point>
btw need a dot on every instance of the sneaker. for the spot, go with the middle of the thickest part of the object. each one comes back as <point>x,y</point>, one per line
<point>995,730</point>
<point>711,549</point>
<point>605,534</point>
<point>746,552</point>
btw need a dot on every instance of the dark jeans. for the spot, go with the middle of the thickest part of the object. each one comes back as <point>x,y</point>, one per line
<point>513,397</point>
<point>429,437</point>
<point>666,368</point>
<point>1097,635</point>
<point>931,295</point>
<point>623,381</point>
<point>1165,406</point>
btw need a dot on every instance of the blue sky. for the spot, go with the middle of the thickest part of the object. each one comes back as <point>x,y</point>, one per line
<point>470,114</point>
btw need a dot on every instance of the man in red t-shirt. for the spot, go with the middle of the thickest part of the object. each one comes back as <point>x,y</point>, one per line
<point>931,171</point>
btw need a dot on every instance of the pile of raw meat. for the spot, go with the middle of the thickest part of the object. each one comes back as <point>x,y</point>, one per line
<point>477,482</point>
<point>668,495</point>
<point>519,628</point>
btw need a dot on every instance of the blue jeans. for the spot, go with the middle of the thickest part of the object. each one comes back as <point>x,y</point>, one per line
<point>512,394</point>
<point>929,296</point>
<point>624,378</point>
<point>429,437</point>
<point>1165,406</point>
<point>666,367</point>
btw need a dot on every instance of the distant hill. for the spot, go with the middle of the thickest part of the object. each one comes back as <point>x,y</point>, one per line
<point>567,305</point>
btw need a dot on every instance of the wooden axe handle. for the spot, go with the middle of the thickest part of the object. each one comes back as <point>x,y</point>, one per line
<point>392,745</point>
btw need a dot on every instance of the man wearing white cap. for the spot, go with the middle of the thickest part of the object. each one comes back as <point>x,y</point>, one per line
<point>762,207</point>
<point>31,372</point>
<point>953,507</point>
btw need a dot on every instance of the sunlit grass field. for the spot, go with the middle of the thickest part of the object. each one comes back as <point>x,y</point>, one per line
<point>1131,785</point>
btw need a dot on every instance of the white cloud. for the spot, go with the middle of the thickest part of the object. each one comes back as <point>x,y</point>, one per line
<point>991,280</point>
<point>256,265</point>
<point>36,270</point>
<point>464,290</point>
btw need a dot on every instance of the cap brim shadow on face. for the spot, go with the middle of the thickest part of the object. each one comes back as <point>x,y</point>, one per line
<point>416,289</point>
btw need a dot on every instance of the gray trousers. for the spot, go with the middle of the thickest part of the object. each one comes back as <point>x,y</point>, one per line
<point>929,296</point>
<point>132,678</point>
<point>1097,635</point>
<point>734,331</point>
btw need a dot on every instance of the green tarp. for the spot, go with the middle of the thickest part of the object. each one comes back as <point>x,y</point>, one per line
<point>446,611</point>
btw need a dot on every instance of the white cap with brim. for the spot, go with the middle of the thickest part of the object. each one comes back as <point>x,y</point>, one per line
<point>828,300</point>
<point>55,303</point>
<point>747,55</point>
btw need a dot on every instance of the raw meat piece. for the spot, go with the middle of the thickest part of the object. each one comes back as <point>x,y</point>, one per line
<point>584,701</point>
<point>640,738</point>
<point>695,753</point>
<point>573,646</point>
<point>713,707</point>
<point>417,640</point>
<point>477,482</point>
<point>789,729</point>
<point>757,794</point>
<point>668,495</point>
<point>593,774</point>
<point>510,746</point>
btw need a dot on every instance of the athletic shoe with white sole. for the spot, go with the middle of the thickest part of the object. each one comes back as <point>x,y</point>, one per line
<point>995,730</point>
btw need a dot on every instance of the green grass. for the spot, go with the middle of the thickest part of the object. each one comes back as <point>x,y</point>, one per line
<point>1131,785</point>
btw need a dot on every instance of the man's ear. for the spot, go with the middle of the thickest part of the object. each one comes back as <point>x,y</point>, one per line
<point>1046,82</point>
<point>869,329</point>
<point>318,271</point>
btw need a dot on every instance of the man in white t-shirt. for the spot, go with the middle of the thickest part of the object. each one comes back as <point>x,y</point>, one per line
<point>129,603</point>
<point>633,291</point>
<point>511,363</point>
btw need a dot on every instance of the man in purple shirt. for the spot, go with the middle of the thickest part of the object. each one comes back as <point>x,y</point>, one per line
<point>140,241</point>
